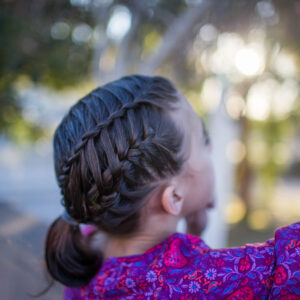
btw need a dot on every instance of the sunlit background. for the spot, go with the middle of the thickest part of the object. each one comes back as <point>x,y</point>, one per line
<point>237,63</point>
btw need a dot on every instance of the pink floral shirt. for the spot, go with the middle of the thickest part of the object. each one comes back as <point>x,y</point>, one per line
<point>183,267</point>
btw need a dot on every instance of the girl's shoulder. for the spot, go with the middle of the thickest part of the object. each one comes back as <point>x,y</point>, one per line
<point>183,265</point>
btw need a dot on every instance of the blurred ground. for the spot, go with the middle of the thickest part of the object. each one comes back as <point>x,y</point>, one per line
<point>240,234</point>
<point>21,244</point>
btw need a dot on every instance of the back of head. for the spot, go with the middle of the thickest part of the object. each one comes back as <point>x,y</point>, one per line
<point>111,150</point>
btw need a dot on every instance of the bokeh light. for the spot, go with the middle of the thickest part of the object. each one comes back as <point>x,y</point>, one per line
<point>222,59</point>
<point>257,150</point>
<point>259,219</point>
<point>235,151</point>
<point>286,204</point>
<point>259,99</point>
<point>60,31</point>
<point>284,99</point>
<point>208,33</point>
<point>211,94</point>
<point>235,106</point>
<point>249,61</point>
<point>82,33</point>
<point>119,23</point>
<point>235,210</point>
<point>107,60</point>
<point>285,65</point>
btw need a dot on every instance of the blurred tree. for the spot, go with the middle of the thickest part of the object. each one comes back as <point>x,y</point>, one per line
<point>61,43</point>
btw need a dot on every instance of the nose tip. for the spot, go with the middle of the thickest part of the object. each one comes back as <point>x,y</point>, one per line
<point>211,204</point>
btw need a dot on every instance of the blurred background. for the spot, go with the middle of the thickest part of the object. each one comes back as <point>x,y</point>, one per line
<point>237,62</point>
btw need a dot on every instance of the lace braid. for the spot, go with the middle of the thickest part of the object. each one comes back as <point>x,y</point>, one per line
<point>106,123</point>
<point>109,202</point>
<point>86,139</point>
<point>96,131</point>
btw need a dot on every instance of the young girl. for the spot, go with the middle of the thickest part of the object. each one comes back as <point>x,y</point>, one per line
<point>132,158</point>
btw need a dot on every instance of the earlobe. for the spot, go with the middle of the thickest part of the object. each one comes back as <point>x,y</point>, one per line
<point>171,201</point>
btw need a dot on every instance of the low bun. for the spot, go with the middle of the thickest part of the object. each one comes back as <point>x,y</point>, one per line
<point>68,258</point>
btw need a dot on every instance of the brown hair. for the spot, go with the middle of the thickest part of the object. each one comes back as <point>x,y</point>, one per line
<point>111,150</point>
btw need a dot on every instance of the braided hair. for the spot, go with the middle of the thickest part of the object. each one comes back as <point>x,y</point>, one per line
<point>112,149</point>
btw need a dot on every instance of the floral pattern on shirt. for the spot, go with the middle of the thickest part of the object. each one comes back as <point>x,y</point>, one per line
<point>183,267</point>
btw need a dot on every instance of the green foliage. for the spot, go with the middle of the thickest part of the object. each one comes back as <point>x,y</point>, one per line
<point>28,49</point>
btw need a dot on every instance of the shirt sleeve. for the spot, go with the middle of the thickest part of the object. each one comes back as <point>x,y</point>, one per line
<point>286,275</point>
<point>267,269</point>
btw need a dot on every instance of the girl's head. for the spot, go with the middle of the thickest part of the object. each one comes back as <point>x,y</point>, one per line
<point>115,150</point>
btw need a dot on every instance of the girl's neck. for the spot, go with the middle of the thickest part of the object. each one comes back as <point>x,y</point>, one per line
<point>142,241</point>
<point>136,246</point>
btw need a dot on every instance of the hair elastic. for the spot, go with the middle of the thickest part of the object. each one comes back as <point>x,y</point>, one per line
<point>67,218</point>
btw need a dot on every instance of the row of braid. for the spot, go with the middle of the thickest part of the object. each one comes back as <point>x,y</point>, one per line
<point>78,160</point>
<point>102,204</point>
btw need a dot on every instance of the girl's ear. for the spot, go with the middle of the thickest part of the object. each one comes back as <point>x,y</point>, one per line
<point>172,201</point>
